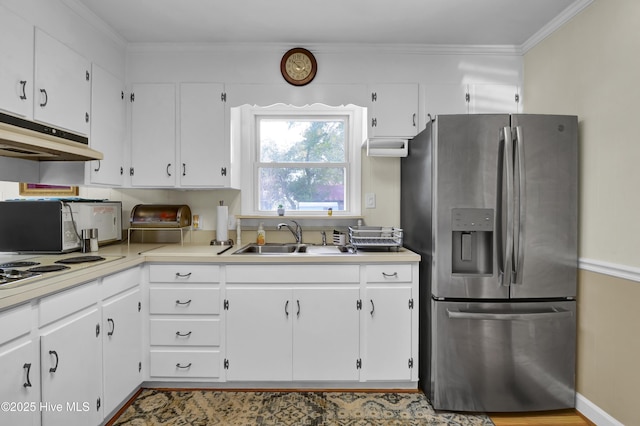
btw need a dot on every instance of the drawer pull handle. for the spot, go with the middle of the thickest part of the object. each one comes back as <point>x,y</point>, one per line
<point>183,334</point>
<point>113,326</point>
<point>179,275</point>
<point>395,274</point>
<point>27,384</point>
<point>183,366</point>
<point>373,307</point>
<point>286,309</point>
<point>178,302</point>
<point>298,313</point>
<point>55,367</point>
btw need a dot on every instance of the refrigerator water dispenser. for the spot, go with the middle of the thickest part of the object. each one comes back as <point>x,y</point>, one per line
<point>472,241</point>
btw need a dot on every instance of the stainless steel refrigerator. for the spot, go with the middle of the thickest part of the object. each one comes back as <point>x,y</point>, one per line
<point>490,202</point>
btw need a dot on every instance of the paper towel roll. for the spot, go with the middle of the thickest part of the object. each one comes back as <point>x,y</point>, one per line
<point>221,223</point>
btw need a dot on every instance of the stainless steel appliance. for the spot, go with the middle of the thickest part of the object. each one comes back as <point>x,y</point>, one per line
<point>490,202</point>
<point>54,226</point>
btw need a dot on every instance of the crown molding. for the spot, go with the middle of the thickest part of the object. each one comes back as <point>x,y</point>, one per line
<point>564,17</point>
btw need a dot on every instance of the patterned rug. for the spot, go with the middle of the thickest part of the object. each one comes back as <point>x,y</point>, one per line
<point>233,408</point>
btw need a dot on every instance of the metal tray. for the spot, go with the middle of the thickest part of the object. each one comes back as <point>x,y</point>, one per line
<point>375,237</point>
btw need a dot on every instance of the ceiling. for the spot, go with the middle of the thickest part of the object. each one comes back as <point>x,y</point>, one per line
<point>407,22</point>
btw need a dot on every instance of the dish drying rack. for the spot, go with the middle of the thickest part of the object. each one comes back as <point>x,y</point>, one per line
<point>370,237</point>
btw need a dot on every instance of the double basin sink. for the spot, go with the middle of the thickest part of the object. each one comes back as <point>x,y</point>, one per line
<point>275,248</point>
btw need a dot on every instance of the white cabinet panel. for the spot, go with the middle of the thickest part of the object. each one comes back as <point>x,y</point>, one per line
<point>153,135</point>
<point>108,111</point>
<point>62,85</point>
<point>20,384</point>
<point>184,300</point>
<point>493,99</point>
<point>394,110</point>
<point>185,364</point>
<point>444,99</point>
<point>16,72</point>
<point>184,332</point>
<point>184,273</point>
<point>204,155</point>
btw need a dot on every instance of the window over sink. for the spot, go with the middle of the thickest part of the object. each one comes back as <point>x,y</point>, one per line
<point>303,159</point>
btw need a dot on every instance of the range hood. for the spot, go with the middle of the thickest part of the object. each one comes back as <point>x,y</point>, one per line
<point>28,140</point>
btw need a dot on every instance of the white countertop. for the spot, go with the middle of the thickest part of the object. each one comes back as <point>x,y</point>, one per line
<point>137,254</point>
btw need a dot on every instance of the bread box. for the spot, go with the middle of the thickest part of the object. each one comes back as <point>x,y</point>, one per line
<point>160,216</point>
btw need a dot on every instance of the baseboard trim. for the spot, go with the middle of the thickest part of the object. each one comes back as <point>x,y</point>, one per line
<point>594,413</point>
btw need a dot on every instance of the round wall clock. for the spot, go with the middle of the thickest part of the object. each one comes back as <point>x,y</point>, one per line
<point>298,66</point>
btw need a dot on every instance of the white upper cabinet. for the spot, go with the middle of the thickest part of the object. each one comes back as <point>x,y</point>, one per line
<point>471,99</point>
<point>204,151</point>
<point>16,72</point>
<point>394,110</point>
<point>108,110</point>
<point>62,85</point>
<point>153,135</point>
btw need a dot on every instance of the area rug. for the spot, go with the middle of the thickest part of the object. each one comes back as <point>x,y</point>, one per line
<point>239,408</point>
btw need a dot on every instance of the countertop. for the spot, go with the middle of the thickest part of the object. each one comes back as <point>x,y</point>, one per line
<point>123,256</point>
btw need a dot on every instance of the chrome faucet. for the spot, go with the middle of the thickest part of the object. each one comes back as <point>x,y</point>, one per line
<point>296,233</point>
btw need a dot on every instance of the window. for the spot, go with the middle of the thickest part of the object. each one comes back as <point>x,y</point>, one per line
<point>304,159</point>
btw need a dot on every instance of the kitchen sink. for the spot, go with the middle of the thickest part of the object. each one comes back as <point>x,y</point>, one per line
<point>272,248</point>
<point>275,248</point>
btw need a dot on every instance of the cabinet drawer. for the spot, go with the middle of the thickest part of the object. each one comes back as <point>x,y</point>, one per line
<point>293,274</point>
<point>185,332</point>
<point>388,273</point>
<point>17,323</point>
<point>184,273</point>
<point>67,302</point>
<point>185,364</point>
<point>120,281</point>
<point>184,300</point>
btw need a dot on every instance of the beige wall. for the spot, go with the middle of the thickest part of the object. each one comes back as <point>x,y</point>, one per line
<point>590,68</point>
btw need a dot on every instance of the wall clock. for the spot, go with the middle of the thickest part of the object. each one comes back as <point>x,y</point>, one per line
<point>298,66</point>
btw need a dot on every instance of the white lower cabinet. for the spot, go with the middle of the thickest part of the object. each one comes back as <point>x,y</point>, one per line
<point>122,350</point>
<point>70,354</point>
<point>185,324</point>
<point>19,369</point>
<point>292,322</point>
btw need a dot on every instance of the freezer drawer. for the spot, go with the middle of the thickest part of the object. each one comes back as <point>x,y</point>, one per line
<point>491,357</point>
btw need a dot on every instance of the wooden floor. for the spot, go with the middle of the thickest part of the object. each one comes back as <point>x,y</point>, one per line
<point>555,418</point>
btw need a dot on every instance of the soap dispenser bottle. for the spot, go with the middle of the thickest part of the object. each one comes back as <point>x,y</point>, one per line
<point>262,236</point>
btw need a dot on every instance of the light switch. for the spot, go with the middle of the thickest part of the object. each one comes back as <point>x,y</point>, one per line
<point>370,200</point>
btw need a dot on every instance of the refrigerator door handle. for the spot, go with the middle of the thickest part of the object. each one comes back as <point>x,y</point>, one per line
<point>555,313</point>
<point>507,178</point>
<point>518,237</point>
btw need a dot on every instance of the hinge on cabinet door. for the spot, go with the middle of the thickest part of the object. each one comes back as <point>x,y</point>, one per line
<point>122,94</point>
<point>223,171</point>
<point>410,362</point>
<point>374,96</point>
<point>226,364</point>
<point>467,97</point>
<point>374,122</point>
<point>86,117</point>
<point>139,366</point>
<point>88,76</point>
<point>121,170</point>
<point>358,363</point>
<point>131,171</point>
<point>225,304</point>
<point>223,97</point>
<point>97,330</point>
<point>517,98</point>
<point>98,404</point>
<point>358,304</point>
<point>139,306</point>
<point>132,97</point>
<point>410,303</point>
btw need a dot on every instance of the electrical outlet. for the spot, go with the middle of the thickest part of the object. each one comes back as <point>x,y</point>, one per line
<point>370,200</point>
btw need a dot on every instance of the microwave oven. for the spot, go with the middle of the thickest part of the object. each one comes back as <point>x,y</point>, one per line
<point>54,226</point>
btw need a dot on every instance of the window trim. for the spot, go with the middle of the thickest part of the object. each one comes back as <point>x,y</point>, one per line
<point>356,129</point>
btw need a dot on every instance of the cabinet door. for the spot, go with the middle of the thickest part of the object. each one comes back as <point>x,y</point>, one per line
<point>71,364</point>
<point>62,85</point>
<point>259,333</point>
<point>122,334</point>
<point>493,99</point>
<point>20,384</point>
<point>107,127</point>
<point>325,333</point>
<point>153,135</point>
<point>204,155</point>
<point>445,99</point>
<point>387,321</point>
<point>16,72</point>
<point>394,110</point>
